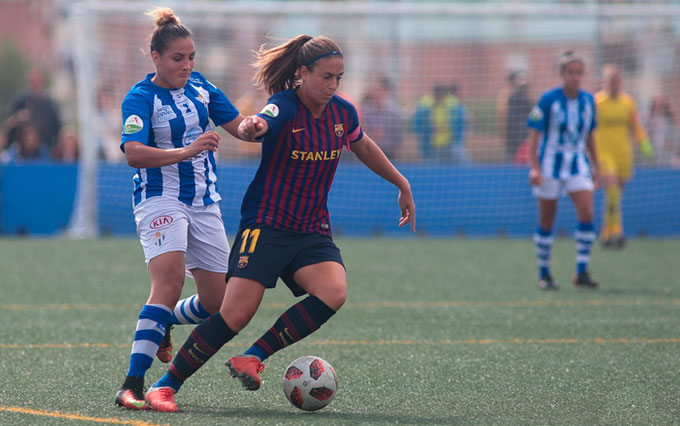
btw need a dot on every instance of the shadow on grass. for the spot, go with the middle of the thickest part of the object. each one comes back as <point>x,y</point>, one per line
<point>272,416</point>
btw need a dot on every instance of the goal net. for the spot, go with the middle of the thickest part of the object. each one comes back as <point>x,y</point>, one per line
<point>468,170</point>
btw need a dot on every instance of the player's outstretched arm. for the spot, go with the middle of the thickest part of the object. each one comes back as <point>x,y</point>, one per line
<point>232,126</point>
<point>372,156</point>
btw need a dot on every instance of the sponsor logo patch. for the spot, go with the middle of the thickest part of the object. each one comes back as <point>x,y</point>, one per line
<point>191,135</point>
<point>160,222</point>
<point>133,124</point>
<point>339,130</point>
<point>165,113</point>
<point>270,110</point>
<point>536,113</point>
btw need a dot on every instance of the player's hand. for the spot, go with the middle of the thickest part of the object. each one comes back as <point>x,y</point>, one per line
<point>208,141</point>
<point>646,149</point>
<point>251,128</point>
<point>408,209</point>
<point>595,173</point>
<point>535,177</point>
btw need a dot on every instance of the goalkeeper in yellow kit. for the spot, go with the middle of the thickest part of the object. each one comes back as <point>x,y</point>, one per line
<point>616,117</point>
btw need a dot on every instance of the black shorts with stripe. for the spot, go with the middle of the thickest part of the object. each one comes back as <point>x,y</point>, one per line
<point>265,254</point>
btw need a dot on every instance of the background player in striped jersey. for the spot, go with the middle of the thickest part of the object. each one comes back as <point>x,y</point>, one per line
<point>167,136</point>
<point>285,229</point>
<point>563,159</point>
<point>616,117</point>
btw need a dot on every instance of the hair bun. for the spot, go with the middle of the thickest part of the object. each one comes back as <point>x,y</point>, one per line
<point>164,16</point>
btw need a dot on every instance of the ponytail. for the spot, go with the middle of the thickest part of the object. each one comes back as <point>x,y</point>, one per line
<point>277,68</point>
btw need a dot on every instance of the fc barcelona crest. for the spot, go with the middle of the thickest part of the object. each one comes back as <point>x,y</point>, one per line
<point>243,261</point>
<point>339,130</point>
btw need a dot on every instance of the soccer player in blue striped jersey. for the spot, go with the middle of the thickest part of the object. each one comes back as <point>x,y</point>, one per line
<point>168,138</point>
<point>564,160</point>
<point>285,230</point>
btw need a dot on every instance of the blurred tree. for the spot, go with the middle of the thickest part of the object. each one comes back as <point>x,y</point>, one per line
<point>13,69</point>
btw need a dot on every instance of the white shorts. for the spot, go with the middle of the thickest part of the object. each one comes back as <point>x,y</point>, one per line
<point>551,188</point>
<point>166,224</point>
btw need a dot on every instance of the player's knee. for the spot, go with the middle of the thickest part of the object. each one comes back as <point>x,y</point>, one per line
<point>334,295</point>
<point>237,320</point>
<point>170,285</point>
<point>340,297</point>
<point>586,214</point>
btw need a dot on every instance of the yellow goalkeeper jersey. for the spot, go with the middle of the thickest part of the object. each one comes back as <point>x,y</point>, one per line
<point>616,117</point>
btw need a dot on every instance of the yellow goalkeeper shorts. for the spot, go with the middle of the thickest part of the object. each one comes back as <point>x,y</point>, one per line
<point>617,165</point>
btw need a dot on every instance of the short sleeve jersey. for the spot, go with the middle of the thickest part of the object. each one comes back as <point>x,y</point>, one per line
<point>300,154</point>
<point>166,119</point>
<point>616,118</point>
<point>565,125</point>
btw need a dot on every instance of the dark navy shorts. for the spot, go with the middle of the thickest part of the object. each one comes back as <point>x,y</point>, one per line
<point>265,254</point>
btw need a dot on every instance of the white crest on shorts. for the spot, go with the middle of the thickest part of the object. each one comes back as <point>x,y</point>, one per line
<point>158,238</point>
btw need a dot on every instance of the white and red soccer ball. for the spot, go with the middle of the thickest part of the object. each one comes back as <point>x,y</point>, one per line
<point>310,383</point>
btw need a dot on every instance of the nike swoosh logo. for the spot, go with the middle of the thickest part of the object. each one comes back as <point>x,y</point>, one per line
<point>135,403</point>
<point>199,349</point>
<point>298,130</point>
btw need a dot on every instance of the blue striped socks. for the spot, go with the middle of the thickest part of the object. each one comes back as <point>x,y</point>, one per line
<point>543,240</point>
<point>585,237</point>
<point>148,336</point>
<point>189,311</point>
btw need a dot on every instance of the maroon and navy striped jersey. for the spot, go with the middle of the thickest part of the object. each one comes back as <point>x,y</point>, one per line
<point>299,156</point>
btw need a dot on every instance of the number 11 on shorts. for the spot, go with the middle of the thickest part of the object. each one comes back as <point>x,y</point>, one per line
<point>254,235</point>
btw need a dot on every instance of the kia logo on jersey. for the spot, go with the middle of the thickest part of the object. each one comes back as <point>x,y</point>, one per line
<point>161,222</point>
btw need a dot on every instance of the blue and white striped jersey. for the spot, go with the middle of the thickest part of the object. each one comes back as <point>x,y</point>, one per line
<point>164,118</point>
<point>565,125</point>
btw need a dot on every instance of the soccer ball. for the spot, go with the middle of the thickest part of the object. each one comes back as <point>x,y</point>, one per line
<point>310,383</point>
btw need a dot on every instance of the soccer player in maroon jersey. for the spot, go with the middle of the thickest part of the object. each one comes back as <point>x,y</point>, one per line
<point>285,230</point>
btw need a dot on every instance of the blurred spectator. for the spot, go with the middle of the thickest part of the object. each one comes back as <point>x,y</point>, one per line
<point>661,126</point>
<point>67,149</point>
<point>27,146</point>
<point>10,128</point>
<point>42,110</point>
<point>518,108</point>
<point>382,117</point>
<point>350,99</point>
<point>440,123</point>
<point>108,125</point>
<point>502,109</point>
